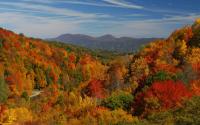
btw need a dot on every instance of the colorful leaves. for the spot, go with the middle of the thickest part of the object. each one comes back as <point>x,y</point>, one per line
<point>118,116</point>
<point>195,87</point>
<point>15,81</point>
<point>17,115</point>
<point>139,69</point>
<point>194,58</point>
<point>95,89</point>
<point>72,58</point>
<point>169,94</point>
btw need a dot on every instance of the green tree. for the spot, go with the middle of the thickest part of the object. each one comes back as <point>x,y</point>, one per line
<point>121,100</point>
<point>1,42</point>
<point>25,95</point>
<point>159,76</point>
<point>3,91</point>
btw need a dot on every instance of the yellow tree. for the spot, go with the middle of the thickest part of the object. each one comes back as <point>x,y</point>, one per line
<point>139,70</point>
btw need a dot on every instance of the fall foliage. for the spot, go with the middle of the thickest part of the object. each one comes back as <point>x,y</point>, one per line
<point>161,96</point>
<point>44,82</point>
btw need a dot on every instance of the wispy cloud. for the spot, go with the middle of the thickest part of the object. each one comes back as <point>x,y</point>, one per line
<point>41,20</point>
<point>124,4</point>
<point>136,15</point>
<point>106,3</point>
<point>45,27</point>
<point>48,10</point>
<point>161,27</point>
<point>110,3</point>
<point>38,1</point>
<point>88,3</point>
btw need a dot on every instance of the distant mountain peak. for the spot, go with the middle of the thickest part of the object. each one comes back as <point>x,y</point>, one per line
<point>75,35</point>
<point>107,36</point>
<point>105,42</point>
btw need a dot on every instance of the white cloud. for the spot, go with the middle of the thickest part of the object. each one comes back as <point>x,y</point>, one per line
<point>89,3</point>
<point>109,3</point>
<point>124,4</point>
<point>38,1</point>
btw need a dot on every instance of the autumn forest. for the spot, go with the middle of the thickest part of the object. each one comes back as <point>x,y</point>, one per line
<point>52,83</point>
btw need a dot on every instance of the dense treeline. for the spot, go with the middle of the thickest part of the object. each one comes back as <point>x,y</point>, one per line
<point>160,84</point>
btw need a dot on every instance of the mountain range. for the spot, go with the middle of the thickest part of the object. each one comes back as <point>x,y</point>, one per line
<point>105,42</point>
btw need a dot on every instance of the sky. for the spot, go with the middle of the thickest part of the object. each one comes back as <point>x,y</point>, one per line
<point>133,18</point>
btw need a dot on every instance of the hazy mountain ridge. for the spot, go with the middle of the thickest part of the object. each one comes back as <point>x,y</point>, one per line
<point>105,42</point>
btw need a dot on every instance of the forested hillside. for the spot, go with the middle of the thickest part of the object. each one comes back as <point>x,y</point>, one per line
<point>45,83</point>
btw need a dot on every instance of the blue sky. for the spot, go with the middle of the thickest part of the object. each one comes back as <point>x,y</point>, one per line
<point>134,18</point>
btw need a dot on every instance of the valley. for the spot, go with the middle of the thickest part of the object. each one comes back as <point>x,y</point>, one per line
<point>54,83</point>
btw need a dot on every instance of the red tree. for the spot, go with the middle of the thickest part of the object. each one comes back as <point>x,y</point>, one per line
<point>95,88</point>
<point>164,95</point>
<point>72,57</point>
